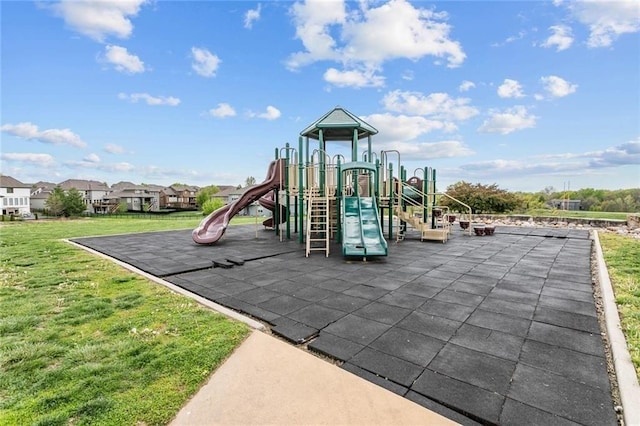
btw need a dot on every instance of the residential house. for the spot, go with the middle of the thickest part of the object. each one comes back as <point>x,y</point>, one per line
<point>40,192</point>
<point>565,204</point>
<point>15,196</point>
<point>182,197</point>
<point>138,198</point>
<point>92,191</point>
<point>232,194</point>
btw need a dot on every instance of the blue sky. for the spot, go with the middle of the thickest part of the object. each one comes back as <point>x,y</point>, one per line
<point>523,94</point>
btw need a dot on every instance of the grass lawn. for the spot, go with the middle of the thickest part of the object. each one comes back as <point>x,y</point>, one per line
<point>622,256</point>
<point>83,341</point>
<point>577,214</point>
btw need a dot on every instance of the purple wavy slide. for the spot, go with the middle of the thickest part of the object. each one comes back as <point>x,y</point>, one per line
<point>269,203</point>
<point>212,227</point>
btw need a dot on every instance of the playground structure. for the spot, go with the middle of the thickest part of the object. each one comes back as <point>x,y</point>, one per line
<point>325,198</point>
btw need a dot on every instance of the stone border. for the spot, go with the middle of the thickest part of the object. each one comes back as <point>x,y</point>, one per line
<point>625,372</point>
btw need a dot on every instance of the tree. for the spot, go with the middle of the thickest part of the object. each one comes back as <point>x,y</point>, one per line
<point>250,181</point>
<point>211,205</point>
<point>481,198</point>
<point>205,194</point>
<point>73,203</point>
<point>61,203</point>
<point>55,202</point>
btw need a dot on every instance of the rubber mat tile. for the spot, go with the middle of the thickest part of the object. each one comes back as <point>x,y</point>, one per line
<point>395,369</point>
<point>381,312</point>
<point>408,345</point>
<point>561,396</point>
<point>515,413</point>
<point>316,316</point>
<point>283,304</point>
<point>430,325</point>
<point>451,311</point>
<point>344,302</point>
<point>366,292</point>
<point>580,367</point>
<point>580,341</point>
<point>505,323</point>
<point>402,300</point>
<point>575,306</point>
<point>507,307</point>
<point>471,400</point>
<point>419,289</point>
<point>380,381</point>
<point>564,319</point>
<point>335,347</point>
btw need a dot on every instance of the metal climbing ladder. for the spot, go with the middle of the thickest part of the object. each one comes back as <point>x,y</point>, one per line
<point>318,229</point>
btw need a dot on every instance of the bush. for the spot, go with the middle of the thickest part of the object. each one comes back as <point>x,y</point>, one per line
<point>211,205</point>
<point>481,198</point>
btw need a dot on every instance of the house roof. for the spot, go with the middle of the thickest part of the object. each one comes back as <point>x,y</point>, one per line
<point>180,188</point>
<point>43,184</point>
<point>168,191</point>
<point>122,185</point>
<point>84,185</point>
<point>9,182</point>
<point>43,195</point>
<point>338,125</point>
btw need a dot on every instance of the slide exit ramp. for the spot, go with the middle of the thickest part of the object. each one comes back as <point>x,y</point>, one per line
<point>361,230</point>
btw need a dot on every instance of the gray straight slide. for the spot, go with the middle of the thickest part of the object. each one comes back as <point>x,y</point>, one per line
<point>212,227</point>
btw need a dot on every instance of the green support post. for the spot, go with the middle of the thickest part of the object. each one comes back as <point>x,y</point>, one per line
<point>301,189</point>
<point>425,192</point>
<point>286,187</point>
<point>321,164</point>
<point>276,210</point>
<point>339,203</point>
<point>391,202</point>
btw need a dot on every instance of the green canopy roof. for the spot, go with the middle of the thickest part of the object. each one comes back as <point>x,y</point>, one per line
<point>338,125</point>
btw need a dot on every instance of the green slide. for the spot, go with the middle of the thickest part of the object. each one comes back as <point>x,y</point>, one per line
<point>361,230</point>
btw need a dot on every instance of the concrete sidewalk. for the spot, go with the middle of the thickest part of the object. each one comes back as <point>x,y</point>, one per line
<point>269,382</point>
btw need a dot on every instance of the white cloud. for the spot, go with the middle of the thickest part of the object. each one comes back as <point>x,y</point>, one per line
<point>51,136</point>
<point>251,16</point>
<point>512,119</point>
<point>562,37</point>
<point>105,167</point>
<point>510,39</point>
<point>436,105</point>
<point>621,155</point>
<point>122,60</point>
<point>606,20</point>
<point>365,38</point>
<point>558,87</point>
<point>353,78</point>
<point>40,160</point>
<point>626,154</point>
<point>466,85</point>
<point>114,149</point>
<point>222,110</point>
<point>510,89</point>
<point>272,113</point>
<point>99,19</point>
<point>429,150</point>
<point>404,128</point>
<point>204,62</point>
<point>150,100</point>
<point>92,158</point>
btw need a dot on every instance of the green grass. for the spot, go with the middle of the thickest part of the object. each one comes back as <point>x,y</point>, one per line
<point>577,214</point>
<point>621,254</point>
<point>84,341</point>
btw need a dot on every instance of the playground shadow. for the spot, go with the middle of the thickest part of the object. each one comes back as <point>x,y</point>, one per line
<point>497,329</point>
